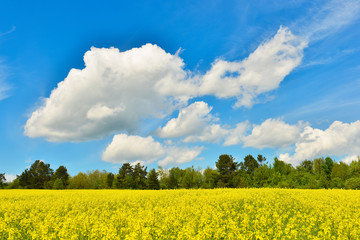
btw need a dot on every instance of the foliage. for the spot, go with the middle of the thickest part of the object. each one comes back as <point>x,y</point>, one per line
<point>139,176</point>
<point>2,180</point>
<point>80,181</point>
<point>58,184</point>
<point>251,172</point>
<point>110,180</point>
<point>152,180</point>
<point>37,176</point>
<point>62,174</point>
<point>125,178</point>
<point>353,183</point>
<point>249,165</point>
<point>226,167</point>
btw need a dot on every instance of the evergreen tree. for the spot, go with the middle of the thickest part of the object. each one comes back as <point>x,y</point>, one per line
<point>226,167</point>
<point>152,180</point>
<point>110,179</point>
<point>62,174</point>
<point>2,180</point>
<point>261,159</point>
<point>37,176</point>
<point>139,175</point>
<point>125,178</point>
<point>249,165</point>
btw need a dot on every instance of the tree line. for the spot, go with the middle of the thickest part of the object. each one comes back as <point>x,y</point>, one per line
<point>251,172</point>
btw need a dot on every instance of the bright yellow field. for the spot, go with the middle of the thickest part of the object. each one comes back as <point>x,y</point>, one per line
<point>180,214</point>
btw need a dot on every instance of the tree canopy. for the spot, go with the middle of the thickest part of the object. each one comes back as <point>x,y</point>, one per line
<point>229,173</point>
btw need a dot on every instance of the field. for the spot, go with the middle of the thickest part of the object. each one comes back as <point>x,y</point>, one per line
<point>180,214</point>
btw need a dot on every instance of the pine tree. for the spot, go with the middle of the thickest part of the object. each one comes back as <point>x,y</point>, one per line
<point>152,180</point>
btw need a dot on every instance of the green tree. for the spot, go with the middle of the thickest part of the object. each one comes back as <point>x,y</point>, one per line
<point>163,175</point>
<point>2,180</point>
<point>226,167</point>
<point>249,165</point>
<point>337,183</point>
<point>110,179</point>
<point>353,183</point>
<point>282,167</point>
<point>318,166</point>
<point>355,168</point>
<point>191,178</point>
<point>306,166</point>
<point>37,176</point>
<point>262,176</point>
<point>15,184</point>
<point>125,178</point>
<point>62,174</point>
<point>80,181</point>
<point>58,184</point>
<point>261,159</point>
<point>211,177</point>
<point>97,179</point>
<point>240,180</point>
<point>328,166</point>
<point>139,175</point>
<point>340,170</point>
<point>175,177</point>
<point>152,180</point>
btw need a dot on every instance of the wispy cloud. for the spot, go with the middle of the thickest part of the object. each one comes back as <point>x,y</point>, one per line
<point>4,87</point>
<point>341,97</point>
<point>327,19</point>
<point>13,28</point>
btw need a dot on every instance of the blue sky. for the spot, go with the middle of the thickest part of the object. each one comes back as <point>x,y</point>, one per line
<point>91,85</point>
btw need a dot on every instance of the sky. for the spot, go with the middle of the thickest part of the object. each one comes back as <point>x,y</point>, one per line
<point>92,85</point>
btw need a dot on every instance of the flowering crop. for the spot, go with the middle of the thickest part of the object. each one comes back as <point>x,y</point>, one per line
<point>180,214</point>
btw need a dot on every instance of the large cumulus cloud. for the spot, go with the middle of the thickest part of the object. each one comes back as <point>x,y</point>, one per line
<point>261,72</point>
<point>338,140</point>
<point>116,90</point>
<point>113,92</point>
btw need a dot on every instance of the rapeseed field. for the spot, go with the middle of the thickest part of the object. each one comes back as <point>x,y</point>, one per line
<point>180,214</point>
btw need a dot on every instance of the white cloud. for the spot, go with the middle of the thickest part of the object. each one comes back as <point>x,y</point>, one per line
<point>338,140</point>
<point>113,92</point>
<point>272,133</point>
<point>10,177</point>
<point>237,134</point>
<point>349,159</point>
<point>124,148</point>
<point>3,91</point>
<point>180,155</point>
<point>261,72</point>
<point>195,124</point>
<point>4,87</point>
<point>116,90</point>
<point>133,149</point>
<point>190,121</point>
<point>210,133</point>
<point>100,112</point>
<point>329,18</point>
